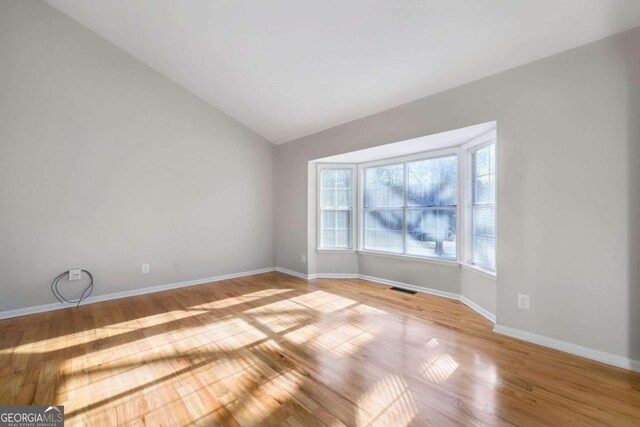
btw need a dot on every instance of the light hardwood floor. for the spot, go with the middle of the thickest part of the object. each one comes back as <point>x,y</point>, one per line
<point>271,349</point>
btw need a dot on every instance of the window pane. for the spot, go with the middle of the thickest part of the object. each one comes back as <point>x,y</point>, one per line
<point>484,252</point>
<point>483,239</point>
<point>343,199</point>
<point>343,238</point>
<point>343,229</point>
<point>432,182</point>
<point>432,232</point>
<point>328,220</point>
<point>328,198</point>
<point>481,161</point>
<point>484,220</point>
<point>336,229</point>
<point>343,220</point>
<point>335,205</point>
<point>328,178</point>
<point>335,188</point>
<point>383,230</point>
<point>343,178</point>
<point>482,190</point>
<point>384,186</point>
<point>328,238</point>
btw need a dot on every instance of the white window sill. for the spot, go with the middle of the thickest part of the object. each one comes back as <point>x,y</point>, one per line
<point>481,271</point>
<point>335,251</point>
<point>448,263</point>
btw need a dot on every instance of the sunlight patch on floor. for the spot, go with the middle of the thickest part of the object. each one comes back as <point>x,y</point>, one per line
<point>389,402</point>
<point>267,395</point>
<point>438,368</point>
<point>340,341</point>
<point>323,302</point>
<point>277,323</point>
<point>432,343</point>
<point>229,302</point>
<point>97,332</point>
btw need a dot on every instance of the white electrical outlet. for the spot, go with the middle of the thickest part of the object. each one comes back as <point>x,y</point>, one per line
<point>146,268</point>
<point>177,266</point>
<point>523,302</point>
<point>304,259</point>
<point>75,275</point>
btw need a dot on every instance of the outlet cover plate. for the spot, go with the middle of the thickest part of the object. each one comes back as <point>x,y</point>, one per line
<point>524,302</point>
<point>75,275</point>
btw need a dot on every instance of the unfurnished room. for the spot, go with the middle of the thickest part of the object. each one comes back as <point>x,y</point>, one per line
<point>319,213</point>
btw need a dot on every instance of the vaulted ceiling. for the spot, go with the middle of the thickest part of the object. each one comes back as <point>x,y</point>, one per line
<point>290,68</point>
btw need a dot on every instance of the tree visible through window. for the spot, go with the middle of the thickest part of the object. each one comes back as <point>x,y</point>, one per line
<point>383,208</point>
<point>432,207</point>
<point>425,200</point>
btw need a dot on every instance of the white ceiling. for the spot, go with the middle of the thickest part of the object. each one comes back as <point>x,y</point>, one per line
<point>289,68</point>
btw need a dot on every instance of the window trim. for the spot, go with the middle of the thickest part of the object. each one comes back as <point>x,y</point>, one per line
<point>353,218</point>
<point>425,155</point>
<point>467,180</point>
<point>395,255</point>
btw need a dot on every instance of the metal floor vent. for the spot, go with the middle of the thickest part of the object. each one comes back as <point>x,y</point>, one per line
<point>406,291</point>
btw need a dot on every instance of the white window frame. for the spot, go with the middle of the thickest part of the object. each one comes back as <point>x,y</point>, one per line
<point>426,155</point>
<point>466,166</point>
<point>464,238</point>
<point>353,218</point>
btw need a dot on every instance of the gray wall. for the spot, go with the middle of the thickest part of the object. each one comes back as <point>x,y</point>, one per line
<point>105,164</point>
<point>479,288</point>
<point>567,193</point>
<point>632,78</point>
<point>420,273</point>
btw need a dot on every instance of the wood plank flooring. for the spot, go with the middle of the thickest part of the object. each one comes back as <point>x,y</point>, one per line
<point>272,349</point>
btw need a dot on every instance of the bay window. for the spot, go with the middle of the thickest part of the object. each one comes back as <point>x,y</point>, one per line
<point>409,206</point>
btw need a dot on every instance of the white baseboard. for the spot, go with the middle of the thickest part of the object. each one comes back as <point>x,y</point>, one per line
<point>578,350</point>
<point>32,310</point>
<point>410,287</point>
<point>333,276</point>
<point>466,301</point>
<point>480,310</point>
<point>117,295</point>
<point>317,275</point>
<point>292,273</point>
